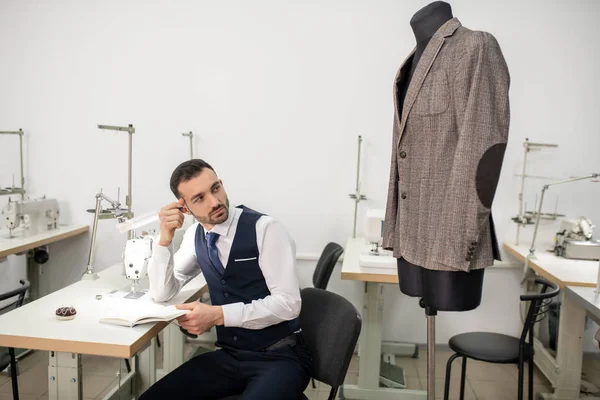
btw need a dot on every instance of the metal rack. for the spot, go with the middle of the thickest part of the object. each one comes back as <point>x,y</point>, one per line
<point>525,217</point>
<point>13,189</point>
<point>357,196</point>
<point>128,212</point>
<point>190,135</point>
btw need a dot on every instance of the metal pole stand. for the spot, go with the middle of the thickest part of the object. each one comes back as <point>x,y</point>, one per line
<point>357,196</point>
<point>430,313</point>
<point>191,136</point>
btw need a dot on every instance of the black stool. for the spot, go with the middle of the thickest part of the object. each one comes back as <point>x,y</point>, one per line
<point>503,349</point>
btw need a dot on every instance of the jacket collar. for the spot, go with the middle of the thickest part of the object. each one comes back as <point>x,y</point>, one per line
<point>427,58</point>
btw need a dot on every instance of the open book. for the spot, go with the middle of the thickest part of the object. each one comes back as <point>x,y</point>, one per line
<point>136,313</point>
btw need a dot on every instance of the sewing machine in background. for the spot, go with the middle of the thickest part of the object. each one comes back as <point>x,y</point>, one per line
<point>33,216</point>
<point>575,240</point>
<point>374,256</point>
<point>137,250</point>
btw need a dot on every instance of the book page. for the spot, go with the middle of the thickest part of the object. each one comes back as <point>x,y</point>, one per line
<point>133,311</point>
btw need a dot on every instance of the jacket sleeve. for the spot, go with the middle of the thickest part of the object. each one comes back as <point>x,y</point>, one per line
<point>480,94</point>
<point>391,211</point>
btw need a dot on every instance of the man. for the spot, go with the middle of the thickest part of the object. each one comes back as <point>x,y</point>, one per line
<point>248,260</point>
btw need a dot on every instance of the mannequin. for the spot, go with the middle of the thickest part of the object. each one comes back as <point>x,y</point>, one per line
<point>449,136</point>
<point>440,290</point>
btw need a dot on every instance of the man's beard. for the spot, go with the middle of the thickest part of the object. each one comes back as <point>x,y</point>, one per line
<point>210,220</point>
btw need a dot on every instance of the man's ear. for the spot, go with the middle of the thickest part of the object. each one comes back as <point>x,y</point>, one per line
<point>184,208</point>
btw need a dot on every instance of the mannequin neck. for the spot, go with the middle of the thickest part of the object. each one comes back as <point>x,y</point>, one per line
<point>429,19</point>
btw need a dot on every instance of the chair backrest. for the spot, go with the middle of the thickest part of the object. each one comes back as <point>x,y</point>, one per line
<point>18,292</point>
<point>330,327</point>
<point>538,306</point>
<point>329,257</point>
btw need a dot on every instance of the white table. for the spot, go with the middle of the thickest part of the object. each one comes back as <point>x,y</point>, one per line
<point>559,270</point>
<point>34,326</point>
<point>370,345</point>
<point>19,245</point>
<point>586,298</point>
<point>564,371</point>
<point>16,245</point>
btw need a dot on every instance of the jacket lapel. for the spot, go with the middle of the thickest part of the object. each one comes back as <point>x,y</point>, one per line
<point>427,58</point>
<point>398,77</point>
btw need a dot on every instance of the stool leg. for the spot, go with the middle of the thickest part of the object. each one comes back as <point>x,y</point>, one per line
<point>13,373</point>
<point>463,378</point>
<point>531,379</point>
<point>448,374</point>
<point>520,382</point>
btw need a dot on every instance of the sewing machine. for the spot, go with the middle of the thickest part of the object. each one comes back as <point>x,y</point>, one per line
<point>575,240</point>
<point>34,216</point>
<point>138,249</point>
<point>136,255</point>
<point>373,256</point>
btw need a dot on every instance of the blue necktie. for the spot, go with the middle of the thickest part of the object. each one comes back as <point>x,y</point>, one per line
<point>213,253</point>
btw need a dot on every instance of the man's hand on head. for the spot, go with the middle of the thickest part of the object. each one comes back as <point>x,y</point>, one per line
<point>201,317</point>
<point>171,218</point>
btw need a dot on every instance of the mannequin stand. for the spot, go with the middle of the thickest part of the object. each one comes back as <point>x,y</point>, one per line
<point>430,313</point>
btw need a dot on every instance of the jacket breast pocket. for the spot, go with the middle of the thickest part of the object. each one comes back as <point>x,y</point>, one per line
<point>434,96</point>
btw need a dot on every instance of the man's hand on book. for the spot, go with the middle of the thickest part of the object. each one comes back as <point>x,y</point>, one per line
<point>201,317</point>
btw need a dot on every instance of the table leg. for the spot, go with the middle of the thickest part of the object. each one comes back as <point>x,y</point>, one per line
<point>369,354</point>
<point>65,376</point>
<point>569,355</point>
<point>173,350</point>
<point>145,367</point>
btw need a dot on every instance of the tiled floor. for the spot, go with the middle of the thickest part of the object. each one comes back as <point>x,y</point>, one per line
<point>484,381</point>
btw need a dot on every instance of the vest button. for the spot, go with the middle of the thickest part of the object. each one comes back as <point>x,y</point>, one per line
<point>403,195</point>
<point>226,295</point>
<point>235,338</point>
<point>223,281</point>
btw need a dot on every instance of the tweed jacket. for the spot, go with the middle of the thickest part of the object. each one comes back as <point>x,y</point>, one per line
<point>447,151</point>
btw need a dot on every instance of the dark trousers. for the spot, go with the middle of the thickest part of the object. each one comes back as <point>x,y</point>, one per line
<point>280,374</point>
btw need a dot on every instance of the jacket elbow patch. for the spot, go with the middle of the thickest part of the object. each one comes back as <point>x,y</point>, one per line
<point>488,173</point>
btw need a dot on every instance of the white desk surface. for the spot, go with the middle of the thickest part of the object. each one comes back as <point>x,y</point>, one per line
<point>586,297</point>
<point>9,246</point>
<point>34,326</point>
<point>351,269</point>
<point>559,270</point>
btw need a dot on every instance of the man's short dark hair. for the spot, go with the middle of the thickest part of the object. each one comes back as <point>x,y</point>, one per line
<point>185,171</point>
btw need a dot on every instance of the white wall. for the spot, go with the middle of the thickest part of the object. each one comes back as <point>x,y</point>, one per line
<point>277,93</point>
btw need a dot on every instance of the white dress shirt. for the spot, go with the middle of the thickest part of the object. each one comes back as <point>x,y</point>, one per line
<point>169,272</point>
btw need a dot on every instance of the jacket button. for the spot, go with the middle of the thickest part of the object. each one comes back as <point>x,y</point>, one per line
<point>402,154</point>
<point>403,195</point>
<point>223,281</point>
<point>235,338</point>
<point>226,295</point>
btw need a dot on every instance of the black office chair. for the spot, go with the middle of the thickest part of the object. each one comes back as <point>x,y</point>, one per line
<point>325,265</point>
<point>330,326</point>
<point>7,359</point>
<point>503,349</point>
<point>329,257</point>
